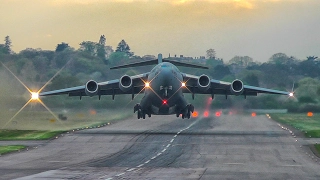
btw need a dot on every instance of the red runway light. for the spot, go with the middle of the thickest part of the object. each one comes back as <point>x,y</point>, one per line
<point>253,114</point>
<point>206,114</point>
<point>218,114</point>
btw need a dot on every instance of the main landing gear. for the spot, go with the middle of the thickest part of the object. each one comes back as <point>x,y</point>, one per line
<point>140,113</point>
<point>186,112</point>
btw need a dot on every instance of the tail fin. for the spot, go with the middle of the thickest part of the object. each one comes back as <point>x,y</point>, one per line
<point>158,61</point>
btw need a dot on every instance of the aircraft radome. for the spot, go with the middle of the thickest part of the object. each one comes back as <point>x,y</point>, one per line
<point>163,87</point>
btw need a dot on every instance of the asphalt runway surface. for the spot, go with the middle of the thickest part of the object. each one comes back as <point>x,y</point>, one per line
<point>166,147</point>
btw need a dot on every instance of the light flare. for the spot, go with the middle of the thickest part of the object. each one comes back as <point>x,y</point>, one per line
<point>164,101</point>
<point>34,96</point>
<point>146,85</point>
<point>17,113</point>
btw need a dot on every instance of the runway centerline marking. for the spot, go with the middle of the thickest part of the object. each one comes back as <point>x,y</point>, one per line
<point>120,174</point>
<point>233,163</point>
<point>160,153</point>
<point>132,169</point>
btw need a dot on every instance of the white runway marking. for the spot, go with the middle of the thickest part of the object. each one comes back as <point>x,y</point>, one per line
<point>120,174</point>
<point>132,169</point>
<point>154,157</point>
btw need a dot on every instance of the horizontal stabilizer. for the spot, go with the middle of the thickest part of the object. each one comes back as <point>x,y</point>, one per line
<point>142,63</point>
<point>177,63</point>
<point>156,61</point>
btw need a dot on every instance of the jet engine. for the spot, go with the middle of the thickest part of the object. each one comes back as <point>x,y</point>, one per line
<point>236,87</point>
<point>203,82</point>
<point>125,83</point>
<point>92,88</point>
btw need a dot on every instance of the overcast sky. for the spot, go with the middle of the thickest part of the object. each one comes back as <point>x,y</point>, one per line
<point>255,28</point>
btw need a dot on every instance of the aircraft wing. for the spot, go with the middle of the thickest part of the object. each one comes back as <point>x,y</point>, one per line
<point>104,88</point>
<point>225,88</point>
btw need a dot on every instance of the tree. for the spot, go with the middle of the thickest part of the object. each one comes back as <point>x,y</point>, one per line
<point>308,89</point>
<point>211,54</point>
<point>117,58</point>
<point>220,71</point>
<point>2,49</point>
<point>311,58</point>
<point>62,46</point>
<point>7,45</point>
<point>243,61</point>
<point>102,40</point>
<point>88,47</point>
<point>124,47</point>
<point>101,49</point>
<point>281,58</point>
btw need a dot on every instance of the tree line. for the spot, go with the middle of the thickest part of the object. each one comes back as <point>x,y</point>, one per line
<point>92,60</point>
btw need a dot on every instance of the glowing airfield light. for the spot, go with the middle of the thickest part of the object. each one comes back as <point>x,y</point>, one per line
<point>34,96</point>
<point>183,84</point>
<point>309,114</point>
<point>218,114</point>
<point>291,94</point>
<point>195,114</point>
<point>253,114</point>
<point>164,101</point>
<point>206,114</point>
<point>147,84</point>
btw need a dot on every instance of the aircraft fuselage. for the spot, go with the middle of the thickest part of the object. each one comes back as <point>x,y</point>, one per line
<point>164,94</point>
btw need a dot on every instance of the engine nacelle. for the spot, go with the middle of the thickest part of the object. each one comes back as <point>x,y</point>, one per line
<point>203,82</point>
<point>236,87</point>
<point>92,88</point>
<point>125,83</point>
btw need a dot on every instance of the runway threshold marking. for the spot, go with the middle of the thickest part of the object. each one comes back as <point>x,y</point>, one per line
<point>154,157</point>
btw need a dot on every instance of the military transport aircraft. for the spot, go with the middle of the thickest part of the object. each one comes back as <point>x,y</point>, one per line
<point>163,88</point>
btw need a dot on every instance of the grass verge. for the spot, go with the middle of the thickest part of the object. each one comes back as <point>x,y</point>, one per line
<point>27,134</point>
<point>8,149</point>
<point>310,126</point>
<point>317,146</point>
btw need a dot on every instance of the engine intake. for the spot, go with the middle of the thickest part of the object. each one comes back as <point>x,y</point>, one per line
<point>236,87</point>
<point>203,83</point>
<point>92,88</point>
<point>125,83</point>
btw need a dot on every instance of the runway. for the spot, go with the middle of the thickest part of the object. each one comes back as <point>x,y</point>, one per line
<point>166,147</point>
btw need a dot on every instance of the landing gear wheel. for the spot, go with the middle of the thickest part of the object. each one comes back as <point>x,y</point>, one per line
<point>188,115</point>
<point>139,114</point>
